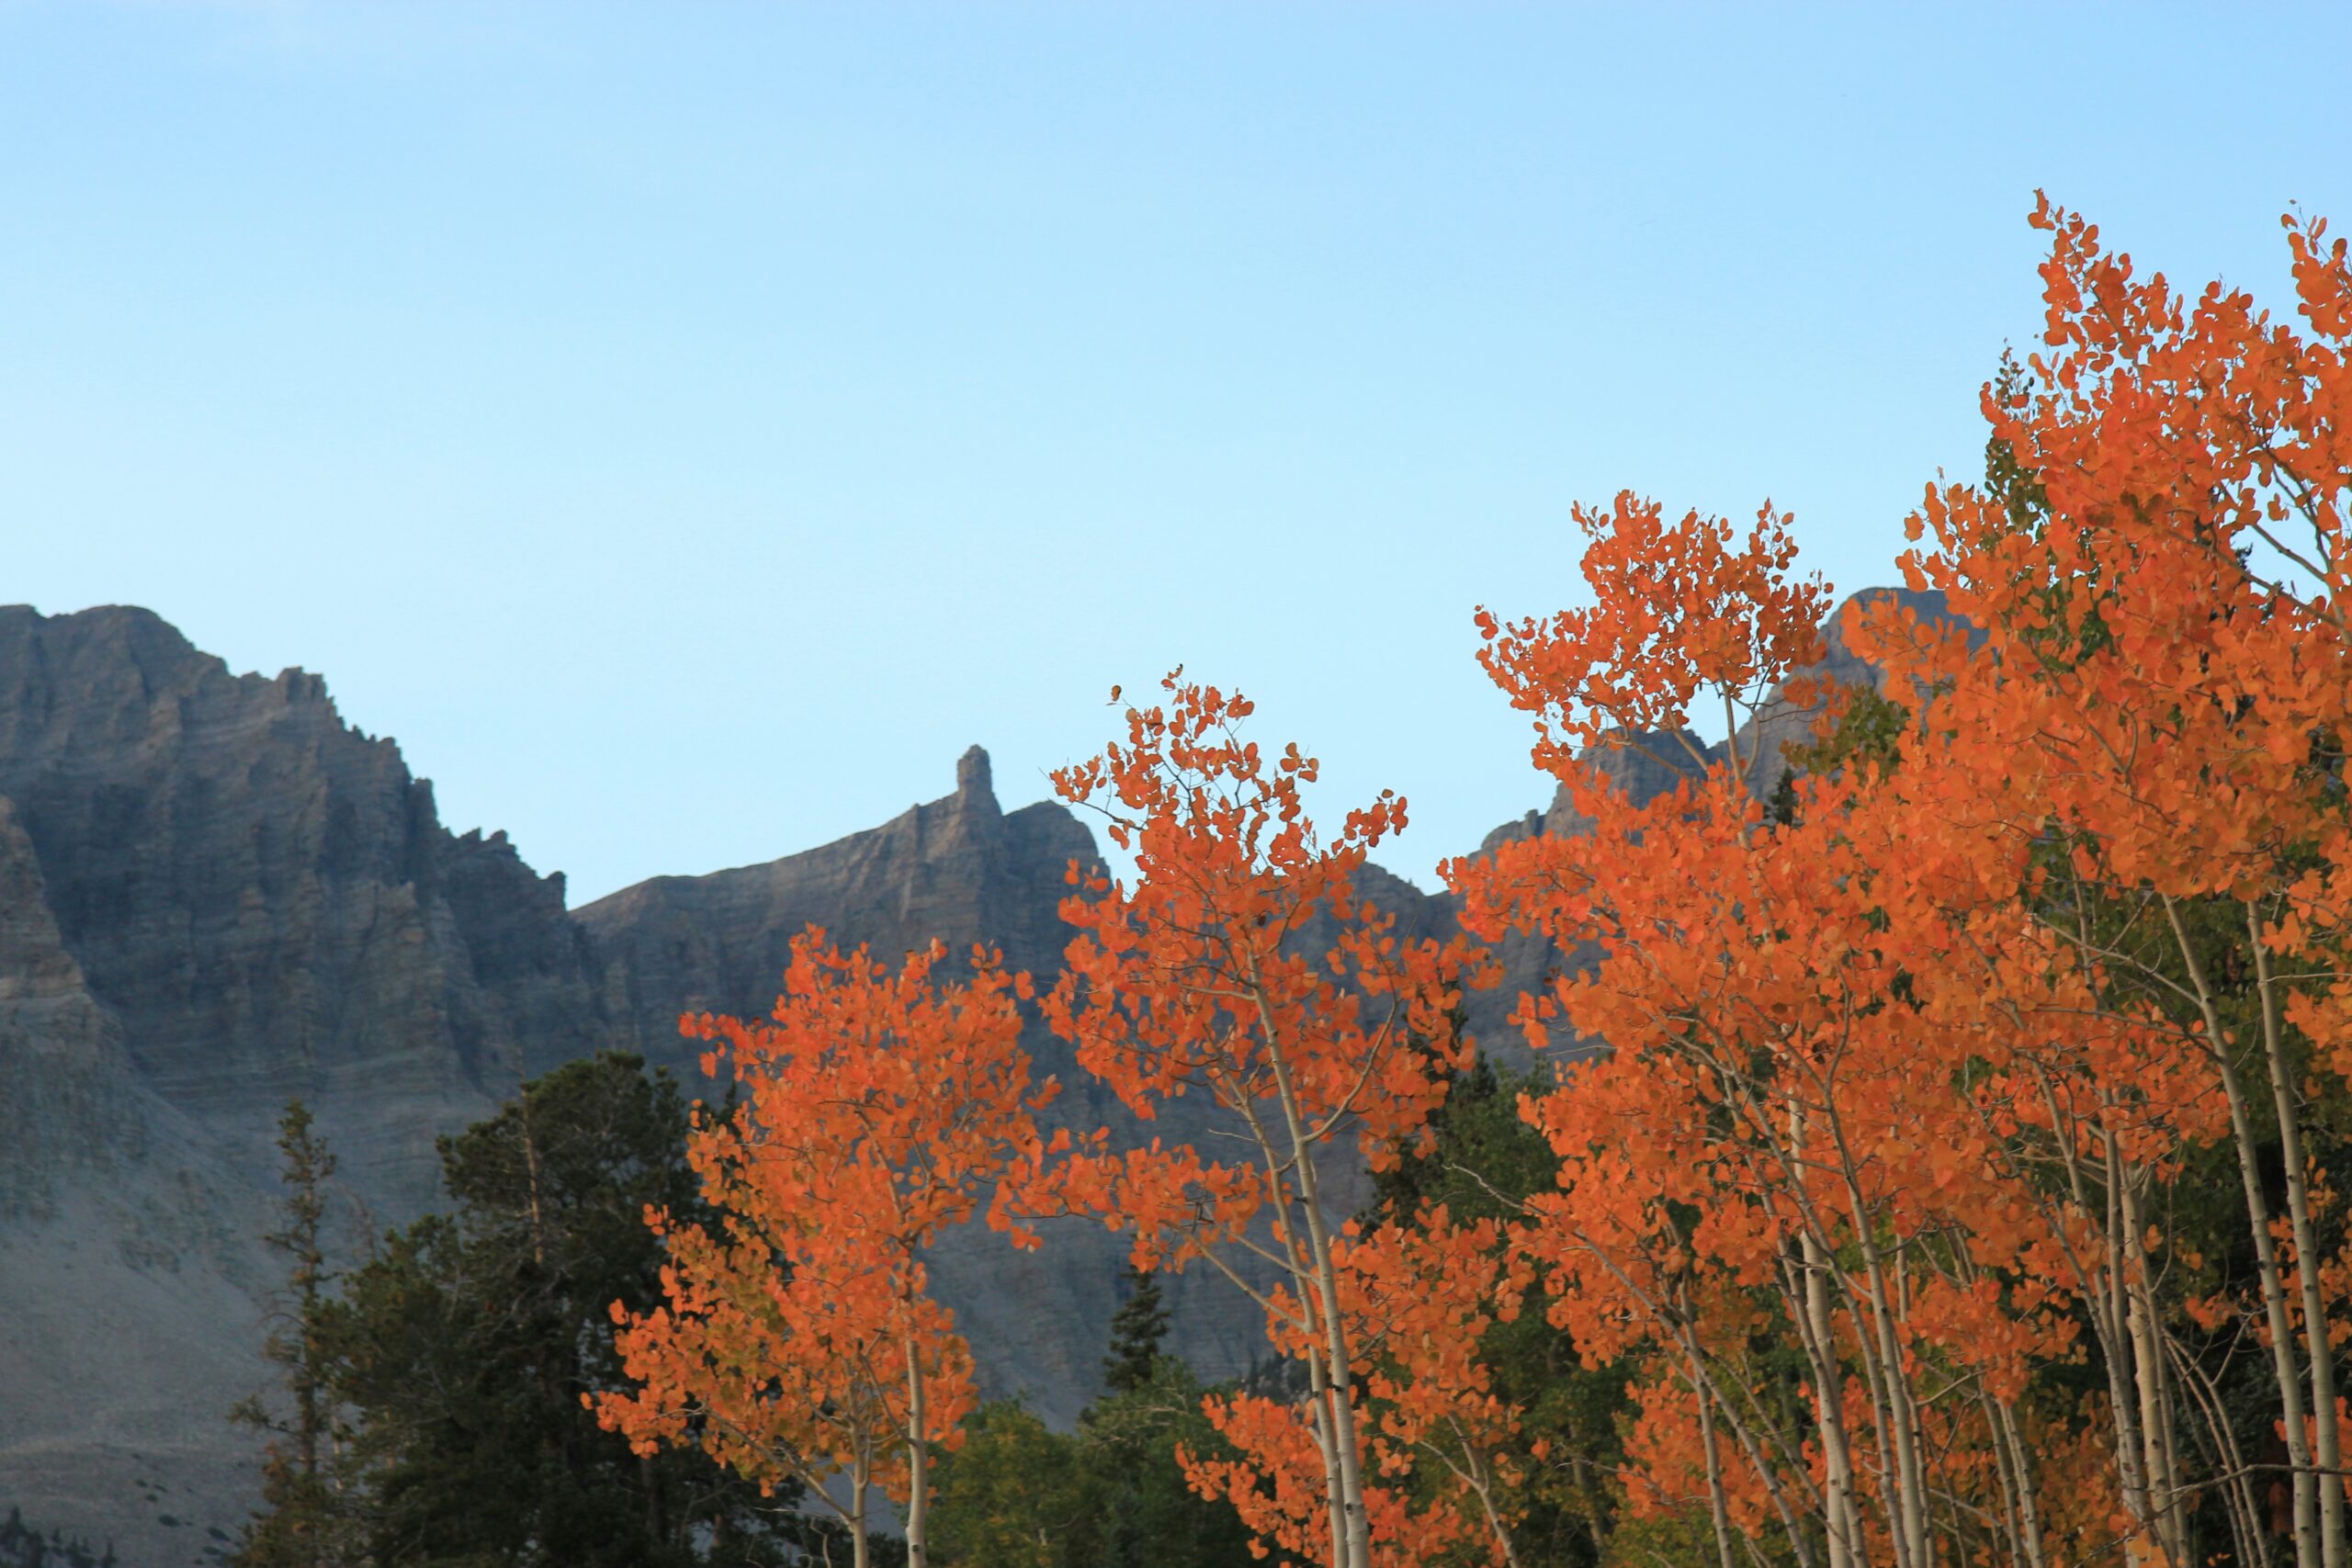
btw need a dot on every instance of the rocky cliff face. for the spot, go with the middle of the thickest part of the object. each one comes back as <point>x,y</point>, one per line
<point>263,895</point>
<point>964,870</point>
<point>959,869</point>
<point>127,1242</point>
<point>216,894</point>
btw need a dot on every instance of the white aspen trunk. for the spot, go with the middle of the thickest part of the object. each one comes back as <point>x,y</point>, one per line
<point>1909,1493</point>
<point>1303,1281</point>
<point>861,1554</point>
<point>2282,1336</point>
<point>1883,1425</point>
<point>1346,1445</point>
<point>2095,1283</point>
<point>2257,1212</point>
<point>1345,1442</point>
<point>2012,1442</point>
<point>2147,1363</point>
<point>1335,1510</point>
<point>2152,1376</point>
<point>1482,1483</point>
<point>2113,1317</point>
<point>1845,1519</point>
<point>1718,1508</point>
<point>2246,1522</point>
<point>1841,1521</point>
<point>2326,1452</point>
<point>1910,1462</point>
<point>1726,1414</point>
<point>918,1464</point>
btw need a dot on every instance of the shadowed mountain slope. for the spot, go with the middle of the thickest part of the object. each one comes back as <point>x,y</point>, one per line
<point>216,894</point>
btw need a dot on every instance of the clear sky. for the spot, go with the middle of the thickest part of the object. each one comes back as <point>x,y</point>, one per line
<point>685,428</point>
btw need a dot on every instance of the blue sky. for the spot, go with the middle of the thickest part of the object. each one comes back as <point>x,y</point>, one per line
<point>686,428</point>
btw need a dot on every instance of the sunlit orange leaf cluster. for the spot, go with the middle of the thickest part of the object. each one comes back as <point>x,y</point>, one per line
<point>1887,1102</point>
<point>1902,1082</point>
<point>799,1341</point>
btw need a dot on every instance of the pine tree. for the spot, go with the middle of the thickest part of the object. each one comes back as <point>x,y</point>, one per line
<point>464,1349</point>
<point>1136,1331</point>
<point>302,1523</point>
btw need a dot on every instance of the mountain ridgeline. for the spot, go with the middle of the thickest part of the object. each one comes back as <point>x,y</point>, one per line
<point>216,894</point>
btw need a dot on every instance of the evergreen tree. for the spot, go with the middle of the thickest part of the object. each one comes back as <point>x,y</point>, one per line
<point>304,1521</point>
<point>1485,1161</point>
<point>1136,1330</point>
<point>466,1349</point>
<point>22,1546</point>
<point>1146,1515</point>
<point>1110,1494</point>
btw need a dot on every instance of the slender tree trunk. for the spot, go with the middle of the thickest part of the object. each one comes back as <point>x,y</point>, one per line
<point>2247,1528</point>
<point>1305,1281</point>
<point>918,1464</point>
<point>2009,1447</point>
<point>1334,1498</point>
<point>1910,1491</point>
<point>861,1554</point>
<point>2257,1211</point>
<point>2325,1450</point>
<point>1482,1483</point>
<point>1345,1443</point>
<point>2153,1375</point>
<point>1886,1477</point>
<point>1840,1522</point>
<point>2113,1314</point>
<point>1842,1519</point>
<point>1718,1508</point>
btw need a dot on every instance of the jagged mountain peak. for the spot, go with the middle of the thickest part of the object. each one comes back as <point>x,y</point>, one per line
<point>973,784</point>
<point>221,895</point>
<point>958,868</point>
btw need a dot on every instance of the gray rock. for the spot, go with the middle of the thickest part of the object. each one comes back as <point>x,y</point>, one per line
<point>964,870</point>
<point>218,896</point>
<point>215,895</point>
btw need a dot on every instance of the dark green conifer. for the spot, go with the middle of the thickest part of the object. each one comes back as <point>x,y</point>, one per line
<point>1136,1331</point>
<point>466,1347</point>
<point>304,1521</point>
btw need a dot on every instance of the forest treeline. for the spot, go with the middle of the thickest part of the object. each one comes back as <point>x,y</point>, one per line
<point>23,1546</point>
<point>1961,1180</point>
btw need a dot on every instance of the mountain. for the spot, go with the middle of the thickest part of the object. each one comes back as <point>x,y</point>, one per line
<point>960,869</point>
<point>966,872</point>
<point>216,894</point>
<point>219,895</point>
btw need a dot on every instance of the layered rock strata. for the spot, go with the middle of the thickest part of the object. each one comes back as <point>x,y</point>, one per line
<point>215,895</point>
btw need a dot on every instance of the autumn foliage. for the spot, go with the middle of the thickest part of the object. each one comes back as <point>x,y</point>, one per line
<point>1245,966</point>
<point>1947,1108</point>
<point>800,1341</point>
<point>1903,1082</point>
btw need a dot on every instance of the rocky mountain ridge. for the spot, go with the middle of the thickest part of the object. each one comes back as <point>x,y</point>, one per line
<point>216,894</point>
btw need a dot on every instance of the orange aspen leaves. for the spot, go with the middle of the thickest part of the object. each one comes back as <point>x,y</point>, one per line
<point>1681,612</point>
<point>1901,1087</point>
<point>1894,1091</point>
<point>1244,967</point>
<point>799,1340</point>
